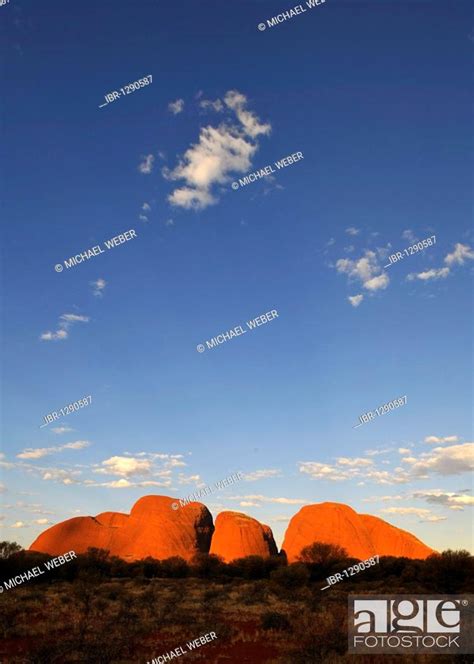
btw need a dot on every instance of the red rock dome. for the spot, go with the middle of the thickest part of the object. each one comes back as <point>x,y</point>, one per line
<point>360,535</point>
<point>153,528</point>
<point>238,535</point>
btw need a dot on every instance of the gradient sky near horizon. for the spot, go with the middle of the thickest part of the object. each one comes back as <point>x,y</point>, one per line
<point>376,96</point>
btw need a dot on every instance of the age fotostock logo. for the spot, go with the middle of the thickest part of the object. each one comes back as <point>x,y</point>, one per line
<point>397,624</point>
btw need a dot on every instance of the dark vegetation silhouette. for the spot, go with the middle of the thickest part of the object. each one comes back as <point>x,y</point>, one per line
<point>101,609</point>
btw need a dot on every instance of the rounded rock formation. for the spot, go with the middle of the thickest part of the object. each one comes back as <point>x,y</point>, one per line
<point>237,535</point>
<point>153,529</point>
<point>360,535</point>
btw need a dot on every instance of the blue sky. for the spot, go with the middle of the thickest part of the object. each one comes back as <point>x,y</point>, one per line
<point>376,97</point>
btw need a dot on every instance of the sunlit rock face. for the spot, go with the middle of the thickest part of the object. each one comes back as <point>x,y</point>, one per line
<point>238,535</point>
<point>153,528</point>
<point>362,536</point>
<point>159,527</point>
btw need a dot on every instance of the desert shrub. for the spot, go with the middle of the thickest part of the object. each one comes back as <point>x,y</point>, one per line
<point>449,572</point>
<point>292,576</point>
<point>207,566</point>
<point>275,620</point>
<point>174,567</point>
<point>320,639</point>
<point>9,548</point>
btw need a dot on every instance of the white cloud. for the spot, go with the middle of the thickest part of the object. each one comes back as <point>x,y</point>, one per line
<point>98,287</point>
<point>252,125</point>
<point>216,105</point>
<point>461,253</point>
<point>60,430</point>
<point>146,207</point>
<point>434,519</point>
<point>452,460</point>
<point>54,336</point>
<point>266,499</point>
<point>143,218</point>
<point>409,235</point>
<point>404,450</point>
<point>65,322</point>
<point>190,479</point>
<point>355,300</point>
<point>125,466</point>
<point>452,500</point>
<point>445,439</point>
<point>366,270</point>
<point>19,524</point>
<point>352,231</point>
<point>356,461</point>
<point>261,474</point>
<point>39,452</point>
<point>169,222</point>
<point>146,165</point>
<point>381,281</point>
<point>434,273</point>
<point>59,475</point>
<point>42,522</point>
<point>176,107</point>
<point>249,503</point>
<point>419,511</point>
<point>219,152</point>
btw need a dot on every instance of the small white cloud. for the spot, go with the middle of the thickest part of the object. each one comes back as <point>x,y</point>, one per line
<point>216,105</point>
<point>442,439</point>
<point>60,430</point>
<point>40,452</point>
<point>42,522</point>
<point>355,300</point>
<point>176,107</point>
<point>461,253</point>
<point>169,222</point>
<point>419,511</point>
<point>98,287</point>
<point>434,273</point>
<point>409,235</point>
<point>143,218</point>
<point>146,165</point>
<point>19,524</point>
<point>125,466</point>
<point>252,125</point>
<point>352,231</point>
<point>261,474</point>
<point>381,281</point>
<point>146,207</point>
<point>65,322</point>
<point>367,270</point>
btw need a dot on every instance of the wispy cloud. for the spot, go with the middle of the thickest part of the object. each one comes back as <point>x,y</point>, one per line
<point>366,270</point>
<point>355,300</point>
<point>61,430</point>
<point>39,452</point>
<point>176,107</point>
<point>428,275</point>
<point>209,105</point>
<point>461,254</point>
<point>65,322</point>
<point>146,165</point>
<point>352,231</point>
<point>441,439</point>
<point>261,474</point>
<point>98,287</point>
